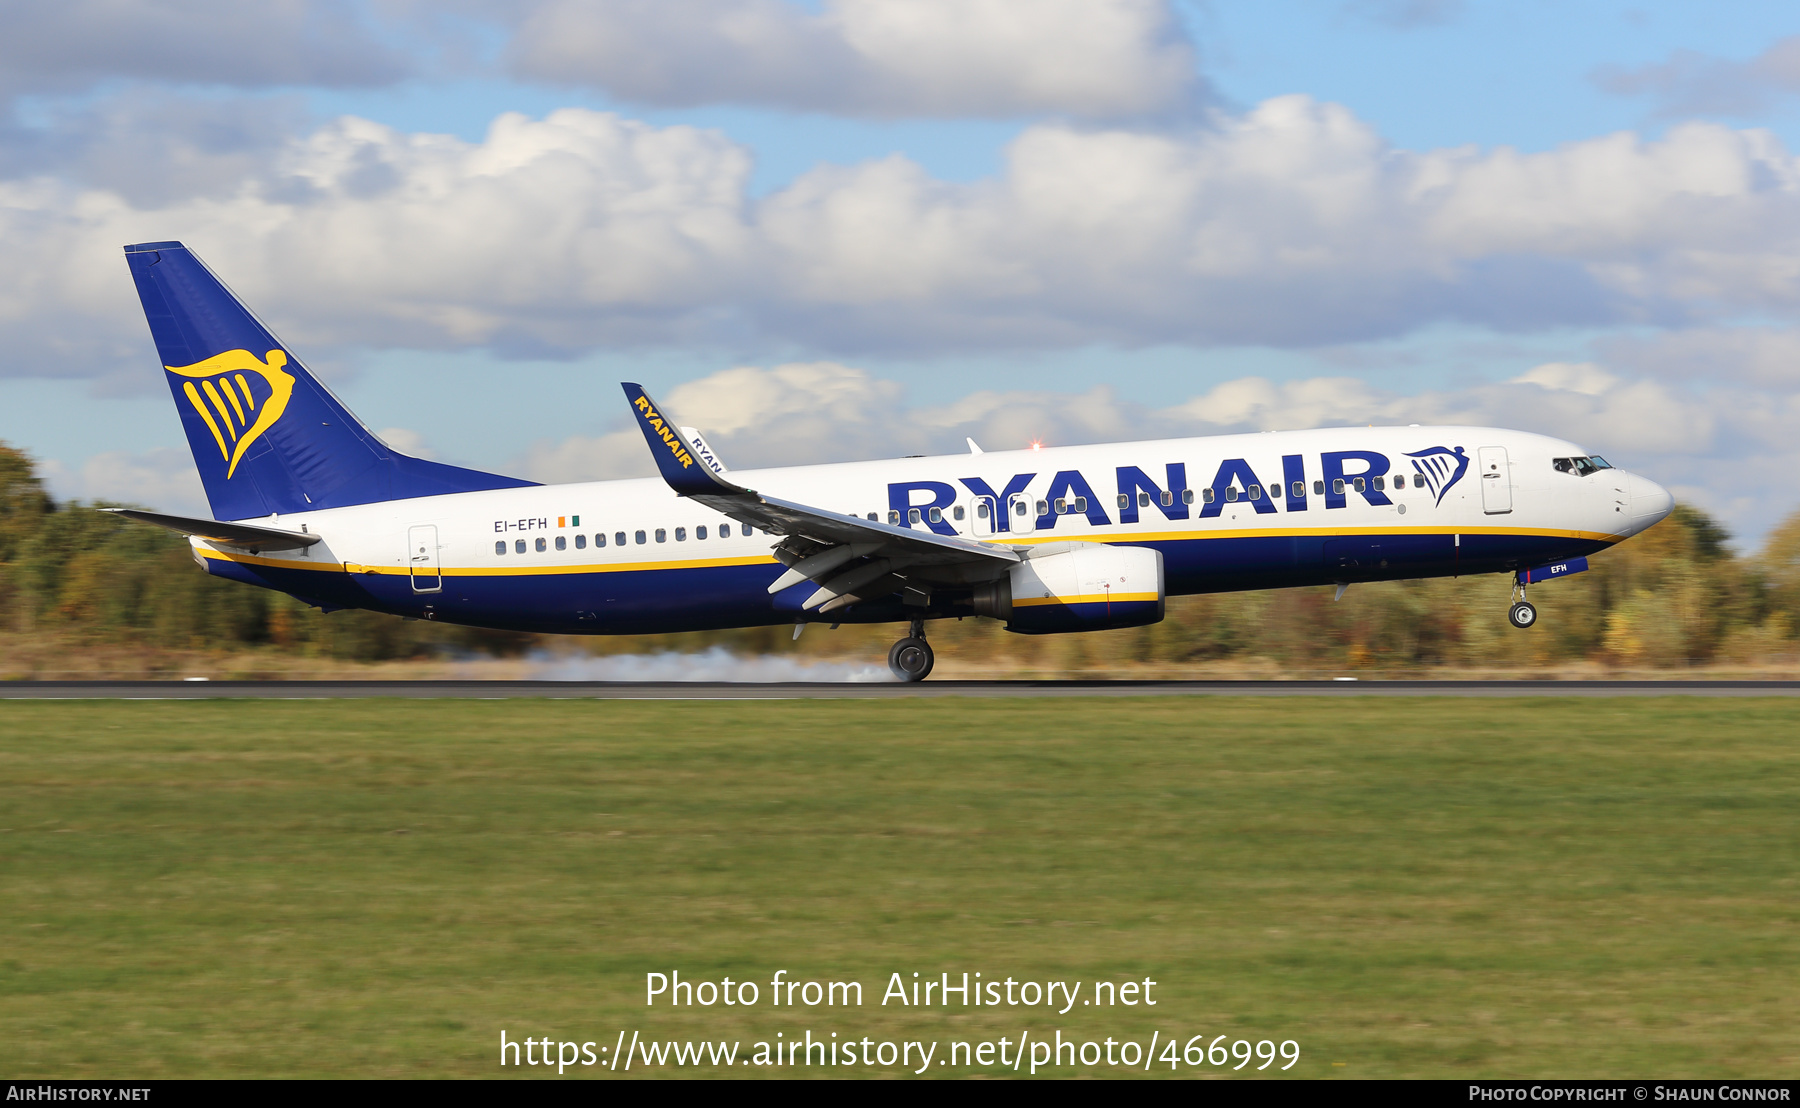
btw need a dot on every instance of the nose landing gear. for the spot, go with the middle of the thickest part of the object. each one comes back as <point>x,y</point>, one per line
<point>1522,614</point>
<point>911,659</point>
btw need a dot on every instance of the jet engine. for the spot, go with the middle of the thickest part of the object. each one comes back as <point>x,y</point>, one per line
<point>1077,586</point>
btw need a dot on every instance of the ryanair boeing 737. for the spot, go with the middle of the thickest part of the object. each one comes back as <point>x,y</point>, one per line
<point>308,502</point>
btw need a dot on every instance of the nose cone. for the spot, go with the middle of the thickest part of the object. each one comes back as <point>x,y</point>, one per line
<point>1649,503</point>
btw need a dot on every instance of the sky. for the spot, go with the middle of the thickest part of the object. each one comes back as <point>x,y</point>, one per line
<point>848,229</point>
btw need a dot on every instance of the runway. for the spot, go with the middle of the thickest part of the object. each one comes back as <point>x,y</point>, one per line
<point>695,690</point>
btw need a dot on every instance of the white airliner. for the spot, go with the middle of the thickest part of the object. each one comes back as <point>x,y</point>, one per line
<point>1079,538</point>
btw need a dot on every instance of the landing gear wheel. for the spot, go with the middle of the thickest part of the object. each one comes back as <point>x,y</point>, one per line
<point>911,659</point>
<point>1521,615</point>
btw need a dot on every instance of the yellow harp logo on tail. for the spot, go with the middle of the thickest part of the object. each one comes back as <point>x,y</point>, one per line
<point>237,408</point>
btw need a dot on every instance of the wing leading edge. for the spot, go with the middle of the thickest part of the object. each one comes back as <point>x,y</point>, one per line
<point>848,557</point>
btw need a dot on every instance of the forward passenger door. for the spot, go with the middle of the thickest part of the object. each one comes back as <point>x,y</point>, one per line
<point>1496,480</point>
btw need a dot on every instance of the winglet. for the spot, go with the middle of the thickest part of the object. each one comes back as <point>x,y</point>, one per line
<point>684,472</point>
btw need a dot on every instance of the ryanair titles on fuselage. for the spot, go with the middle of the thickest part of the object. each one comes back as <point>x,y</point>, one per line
<point>1342,474</point>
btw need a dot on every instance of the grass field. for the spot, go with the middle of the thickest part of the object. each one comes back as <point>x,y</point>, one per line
<point>1405,887</point>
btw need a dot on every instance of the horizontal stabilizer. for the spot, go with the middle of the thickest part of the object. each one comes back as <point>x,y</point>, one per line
<point>231,534</point>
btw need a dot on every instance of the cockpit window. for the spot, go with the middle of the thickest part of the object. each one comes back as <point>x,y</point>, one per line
<point>1581,467</point>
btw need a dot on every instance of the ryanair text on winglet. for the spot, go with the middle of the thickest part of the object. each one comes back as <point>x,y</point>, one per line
<point>655,419</point>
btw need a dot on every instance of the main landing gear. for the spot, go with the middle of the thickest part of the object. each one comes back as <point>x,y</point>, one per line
<point>911,658</point>
<point>1522,614</point>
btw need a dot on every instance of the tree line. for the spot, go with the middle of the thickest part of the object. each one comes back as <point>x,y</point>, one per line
<point>1674,596</point>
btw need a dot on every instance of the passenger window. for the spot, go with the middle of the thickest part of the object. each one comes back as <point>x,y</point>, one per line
<point>1319,488</point>
<point>872,518</point>
<point>681,534</point>
<point>1231,494</point>
<point>1019,508</point>
<point>562,543</point>
<point>912,515</point>
<point>1081,504</point>
<point>500,547</point>
<point>1380,483</point>
<point>1360,486</point>
<point>1337,485</point>
<point>662,535</point>
<point>1399,480</point>
<point>540,546</point>
<point>724,530</point>
<point>935,515</point>
<point>1298,490</point>
<point>1255,492</point>
<point>1187,496</point>
<point>893,517</point>
<point>1168,498</point>
<point>600,539</point>
<point>581,542</point>
<point>958,511</point>
<point>1124,501</point>
<point>619,538</point>
<point>699,533</point>
<point>1062,506</point>
<point>1209,496</point>
<point>519,546</point>
<point>981,510</point>
<point>640,537</point>
<point>1043,509</point>
<point>1143,500</point>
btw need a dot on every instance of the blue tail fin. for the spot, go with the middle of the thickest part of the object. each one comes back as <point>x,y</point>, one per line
<point>268,438</point>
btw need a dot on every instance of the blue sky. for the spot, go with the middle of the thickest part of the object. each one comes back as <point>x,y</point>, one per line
<point>1102,216</point>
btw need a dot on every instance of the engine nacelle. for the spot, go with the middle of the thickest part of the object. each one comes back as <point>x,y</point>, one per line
<point>1077,586</point>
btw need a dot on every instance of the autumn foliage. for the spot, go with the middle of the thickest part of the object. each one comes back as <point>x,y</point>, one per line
<point>79,584</point>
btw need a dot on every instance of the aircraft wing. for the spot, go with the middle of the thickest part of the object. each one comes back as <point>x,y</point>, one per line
<point>231,534</point>
<point>851,558</point>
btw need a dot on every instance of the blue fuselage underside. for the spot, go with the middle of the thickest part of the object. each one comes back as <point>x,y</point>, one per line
<point>711,597</point>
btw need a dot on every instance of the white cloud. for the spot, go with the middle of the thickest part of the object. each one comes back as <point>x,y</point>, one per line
<point>1289,226</point>
<point>612,457</point>
<point>1082,58</point>
<point>151,147</point>
<point>72,45</point>
<point>1293,224</point>
<point>406,441</point>
<point>163,479</point>
<point>1691,83</point>
<point>1727,450</point>
<point>1762,356</point>
<point>1585,378</point>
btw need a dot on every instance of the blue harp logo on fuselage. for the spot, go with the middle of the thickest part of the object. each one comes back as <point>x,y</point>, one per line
<point>238,396</point>
<point>1440,468</point>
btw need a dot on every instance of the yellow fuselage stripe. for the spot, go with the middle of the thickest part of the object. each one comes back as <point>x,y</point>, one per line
<point>753,560</point>
<point>1307,532</point>
<point>1086,598</point>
